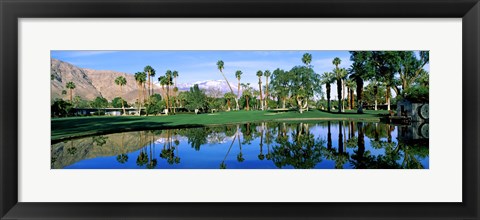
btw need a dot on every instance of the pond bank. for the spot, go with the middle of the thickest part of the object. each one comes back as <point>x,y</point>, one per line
<point>74,127</point>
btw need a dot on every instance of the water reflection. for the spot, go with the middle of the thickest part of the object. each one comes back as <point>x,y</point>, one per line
<point>267,145</point>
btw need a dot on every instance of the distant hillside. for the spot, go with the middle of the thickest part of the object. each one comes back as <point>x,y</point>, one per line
<point>64,72</point>
<point>92,83</point>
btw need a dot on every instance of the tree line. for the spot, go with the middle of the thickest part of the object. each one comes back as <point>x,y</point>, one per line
<point>371,76</point>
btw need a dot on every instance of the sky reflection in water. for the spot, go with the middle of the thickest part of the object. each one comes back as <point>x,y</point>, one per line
<point>268,145</point>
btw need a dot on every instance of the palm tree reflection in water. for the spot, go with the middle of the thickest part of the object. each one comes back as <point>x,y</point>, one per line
<point>320,145</point>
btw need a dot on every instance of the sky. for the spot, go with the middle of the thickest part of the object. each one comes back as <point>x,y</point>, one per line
<point>194,66</point>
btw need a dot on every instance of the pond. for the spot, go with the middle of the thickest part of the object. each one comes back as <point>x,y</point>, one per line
<point>263,145</point>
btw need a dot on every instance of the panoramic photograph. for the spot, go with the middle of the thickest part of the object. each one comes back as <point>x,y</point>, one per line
<point>239,109</point>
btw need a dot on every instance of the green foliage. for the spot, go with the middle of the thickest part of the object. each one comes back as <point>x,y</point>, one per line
<point>220,65</point>
<point>304,83</point>
<point>307,59</point>
<point>238,74</point>
<point>369,94</point>
<point>99,140</point>
<point>142,159</point>
<point>423,79</point>
<point>155,105</point>
<point>121,81</point>
<point>304,151</point>
<point>99,103</point>
<point>215,103</point>
<point>417,94</point>
<point>140,77</point>
<point>78,102</point>
<point>72,151</point>
<point>117,103</point>
<point>149,71</point>
<point>280,83</point>
<point>70,85</point>
<point>60,108</point>
<point>122,158</point>
<point>196,99</point>
<point>196,136</point>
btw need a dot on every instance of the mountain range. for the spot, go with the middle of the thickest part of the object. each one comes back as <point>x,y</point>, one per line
<point>90,83</point>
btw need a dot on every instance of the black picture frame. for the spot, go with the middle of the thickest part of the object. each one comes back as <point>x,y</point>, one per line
<point>12,10</point>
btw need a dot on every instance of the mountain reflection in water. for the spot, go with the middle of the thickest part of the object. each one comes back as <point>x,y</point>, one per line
<point>266,145</point>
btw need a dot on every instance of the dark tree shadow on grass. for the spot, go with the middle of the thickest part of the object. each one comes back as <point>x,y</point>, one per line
<point>83,127</point>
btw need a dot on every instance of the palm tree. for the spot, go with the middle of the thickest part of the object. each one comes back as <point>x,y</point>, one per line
<point>375,91</point>
<point>163,81</point>
<point>327,79</point>
<point>175,89</point>
<point>169,78</point>
<point>307,59</point>
<point>223,165</point>
<point>238,74</point>
<point>350,85</point>
<point>267,75</point>
<point>229,96</point>
<point>357,72</point>
<point>261,156</point>
<point>339,75</point>
<point>121,81</point>
<point>71,86</point>
<point>260,74</point>
<point>140,78</point>
<point>256,94</point>
<point>175,75</point>
<point>247,93</point>
<point>150,73</point>
<point>220,66</point>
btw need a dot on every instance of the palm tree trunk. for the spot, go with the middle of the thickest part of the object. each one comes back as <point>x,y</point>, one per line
<point>348,99</point>
<point>71,91</point>
<point>144,92</point>
<point>152,93</point>
<point>231,90</point>
<point>139,98</point>
<point>148,73</point>
<point>340,138</point>
<point>260,89</point>
<point>339,93</point>
<point>248,105</point>
<point>168,103</point>
<point>359,94</point>
<point>266,93</point>
<point>238,94</point>
<point>388,98</point>
<point>121,92</point>
<point>328,96</point>
<point>343,96</point>
<point>352,99</point>
<point>329,136</point>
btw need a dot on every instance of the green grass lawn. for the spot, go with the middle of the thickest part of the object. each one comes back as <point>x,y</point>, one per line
<point>64,128</point>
